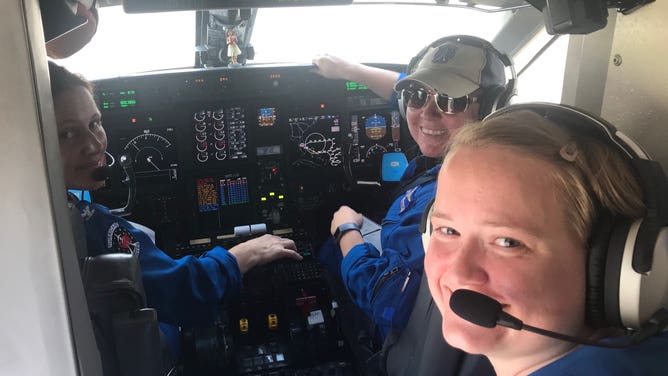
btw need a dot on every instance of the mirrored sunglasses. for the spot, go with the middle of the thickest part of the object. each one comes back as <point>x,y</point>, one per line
<point>418,98</point>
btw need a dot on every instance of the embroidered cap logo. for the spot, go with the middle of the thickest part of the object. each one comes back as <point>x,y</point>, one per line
<point>444,53</point>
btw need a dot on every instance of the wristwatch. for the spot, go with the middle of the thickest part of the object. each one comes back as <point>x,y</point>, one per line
<point>343,228</point>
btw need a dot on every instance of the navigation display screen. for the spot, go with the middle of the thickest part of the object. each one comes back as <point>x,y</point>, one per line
<point>317,139</point>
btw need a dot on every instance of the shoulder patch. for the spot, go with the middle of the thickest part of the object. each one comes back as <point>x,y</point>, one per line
<point>119,239</point>
<point>87,212</point>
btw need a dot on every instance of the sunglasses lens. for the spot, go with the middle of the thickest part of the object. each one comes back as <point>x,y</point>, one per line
<point>452,105</point>
<point>460,104</point>
<point>416,99</point>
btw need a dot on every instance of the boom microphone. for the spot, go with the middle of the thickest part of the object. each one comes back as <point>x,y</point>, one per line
<point>103,172</point>
<point>484,311</point>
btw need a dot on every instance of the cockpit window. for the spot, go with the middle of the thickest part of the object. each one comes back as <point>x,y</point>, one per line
<point>369,33</point>
<point>133,43</point>
<point>387,33</point>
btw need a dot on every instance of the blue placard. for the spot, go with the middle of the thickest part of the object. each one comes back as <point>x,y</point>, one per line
<point>394,165</point>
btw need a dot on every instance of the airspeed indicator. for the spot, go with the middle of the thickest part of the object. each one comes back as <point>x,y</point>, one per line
<point>153,155</point>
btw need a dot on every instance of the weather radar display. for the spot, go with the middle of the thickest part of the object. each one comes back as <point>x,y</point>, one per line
<point>317,138</point>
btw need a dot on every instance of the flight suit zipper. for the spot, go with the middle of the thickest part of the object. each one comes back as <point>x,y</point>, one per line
<point>384,279</point>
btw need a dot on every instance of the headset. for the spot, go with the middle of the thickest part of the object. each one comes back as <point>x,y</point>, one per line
<point>627,267</point>
<point>493,97</point>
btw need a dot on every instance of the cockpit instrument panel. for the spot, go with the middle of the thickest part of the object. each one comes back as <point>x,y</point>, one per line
<point>263,145</point>
<point>153,154</point>
<point>374,133</point>
<point>222,155</point>
<point>220,135</point>
<point>317,139</point>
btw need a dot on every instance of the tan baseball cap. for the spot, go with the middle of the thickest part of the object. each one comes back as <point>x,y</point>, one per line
<point>456,69</point>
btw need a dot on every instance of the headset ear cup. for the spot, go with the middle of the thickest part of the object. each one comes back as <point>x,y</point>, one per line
<point>490,99</point>
<point>506,95</point>
<point>596,265</point>
<point>614,286</point>
<point>604,271</point>
<point>401,104</point>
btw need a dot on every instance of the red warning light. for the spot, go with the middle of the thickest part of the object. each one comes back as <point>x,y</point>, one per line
<point>322,105</point>
<point>133,120</point>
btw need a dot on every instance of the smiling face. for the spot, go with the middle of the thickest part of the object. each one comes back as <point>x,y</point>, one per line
<point>81,136</point>
<point>431,129</point>
<point>500,229</point>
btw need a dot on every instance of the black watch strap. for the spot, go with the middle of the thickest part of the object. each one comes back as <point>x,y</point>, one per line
<point>343,228</point>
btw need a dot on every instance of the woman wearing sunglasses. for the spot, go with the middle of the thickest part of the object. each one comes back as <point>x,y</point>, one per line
<point>440,94</point>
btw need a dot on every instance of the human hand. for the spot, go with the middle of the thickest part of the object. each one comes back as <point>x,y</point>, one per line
<point>332,67</point>
<point>262,250</point>
<point>343,215</point>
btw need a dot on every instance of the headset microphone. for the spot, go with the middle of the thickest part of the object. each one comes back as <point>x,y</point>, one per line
<point>103,172</point>
<point>484,311</point>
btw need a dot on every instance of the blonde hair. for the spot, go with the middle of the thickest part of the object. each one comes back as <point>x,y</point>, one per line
<point>592,178</point>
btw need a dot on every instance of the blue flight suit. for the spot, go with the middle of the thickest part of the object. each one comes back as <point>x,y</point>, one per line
<point>384,283</point>
<point>647,358</point>
<point>184,292</point>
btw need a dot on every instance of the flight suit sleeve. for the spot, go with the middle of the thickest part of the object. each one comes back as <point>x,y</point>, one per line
<point>189,291</point>
<point>185,292</point>
<point>385,284</point>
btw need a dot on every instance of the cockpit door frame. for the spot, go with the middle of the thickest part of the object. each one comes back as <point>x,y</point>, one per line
<point>45,325</point>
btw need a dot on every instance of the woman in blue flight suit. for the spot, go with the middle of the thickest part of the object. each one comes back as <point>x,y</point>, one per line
<point>560,260</point>
<point>444,90</point>
<point>184,292</point>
